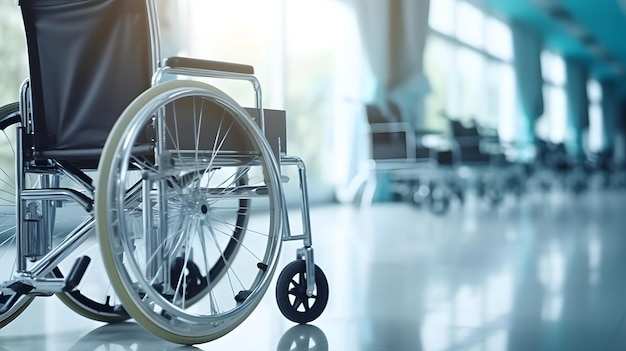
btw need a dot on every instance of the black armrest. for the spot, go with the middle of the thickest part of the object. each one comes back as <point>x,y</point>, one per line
<point>185,62</point>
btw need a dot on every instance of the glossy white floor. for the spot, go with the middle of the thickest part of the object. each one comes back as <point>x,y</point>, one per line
<point>546,273</point>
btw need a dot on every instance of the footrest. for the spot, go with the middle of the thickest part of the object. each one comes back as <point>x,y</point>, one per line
<point>77,273</point>
<point>21,288</point>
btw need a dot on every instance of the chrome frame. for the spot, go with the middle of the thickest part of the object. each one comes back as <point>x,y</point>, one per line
<point>306,252</point>
<point>193,72</point>
<point>51,194</point>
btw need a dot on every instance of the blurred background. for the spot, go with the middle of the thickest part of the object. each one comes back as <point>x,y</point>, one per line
<point>530,70</point>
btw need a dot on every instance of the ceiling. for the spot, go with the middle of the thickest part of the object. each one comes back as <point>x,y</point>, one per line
<point>593,30</point>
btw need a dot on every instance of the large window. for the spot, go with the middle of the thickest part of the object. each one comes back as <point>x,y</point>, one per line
<point>470,24</point>
<point>306,56</point>
<point>14,71</point>
<point>552,125</point>
<point>12,52</point>
<point>468,60</point>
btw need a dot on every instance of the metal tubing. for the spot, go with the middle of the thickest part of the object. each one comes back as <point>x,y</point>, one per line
<point>234,193</point>
<point>89,187</point>
<point>41,286</point>
<point>61,251</point>
<point>155,41</point>
<point>48,285</point>
<point>19,202</point>
<point>160,232</point>
<point>195,72</point>
<point>58,194</point>
<point>304,199</point>
<point>20,175</point>
<point>286,225</point>
<point>152,242</point>
<point>48,208</point>
<point>163,257</point>
<point>306,254</point>
<point>25,120</point>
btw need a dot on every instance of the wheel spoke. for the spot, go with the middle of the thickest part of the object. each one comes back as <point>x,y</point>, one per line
<point>297,302</point>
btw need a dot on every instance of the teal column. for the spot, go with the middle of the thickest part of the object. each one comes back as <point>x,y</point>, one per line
<point>527,47</point>
<point>577,106</point>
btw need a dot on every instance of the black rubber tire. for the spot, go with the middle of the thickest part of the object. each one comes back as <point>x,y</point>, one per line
<point>291,284</point>
<point>9,115</point>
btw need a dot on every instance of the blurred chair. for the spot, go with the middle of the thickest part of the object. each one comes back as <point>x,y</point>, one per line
<point>417,172</point>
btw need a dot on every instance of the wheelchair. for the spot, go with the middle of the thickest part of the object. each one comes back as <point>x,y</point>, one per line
<point>134,190</point>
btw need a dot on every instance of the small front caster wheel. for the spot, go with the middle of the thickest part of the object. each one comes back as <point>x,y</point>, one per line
<point>291,295</point>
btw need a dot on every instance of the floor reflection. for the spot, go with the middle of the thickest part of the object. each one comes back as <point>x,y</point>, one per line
<point>125,336</point>
<point>303,338</point>
<point>540,277</point>
<point>545,275</point>
<point>132,337</point>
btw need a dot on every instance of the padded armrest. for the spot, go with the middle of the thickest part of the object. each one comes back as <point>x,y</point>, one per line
<point>185,62</point>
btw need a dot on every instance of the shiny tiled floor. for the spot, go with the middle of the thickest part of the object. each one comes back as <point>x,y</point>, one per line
<point>543,274</point>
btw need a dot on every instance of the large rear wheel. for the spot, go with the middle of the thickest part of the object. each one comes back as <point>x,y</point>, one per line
<point>193,252</point>
<point>11,304</point>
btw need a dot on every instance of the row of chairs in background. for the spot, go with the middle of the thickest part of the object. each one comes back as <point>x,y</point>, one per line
<point>436,170</point>
<point>554,168</point>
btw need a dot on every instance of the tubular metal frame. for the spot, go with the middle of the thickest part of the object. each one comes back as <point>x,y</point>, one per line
<point>50,192</point>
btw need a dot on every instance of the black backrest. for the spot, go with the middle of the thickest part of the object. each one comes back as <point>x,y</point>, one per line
<point>88,60</point>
